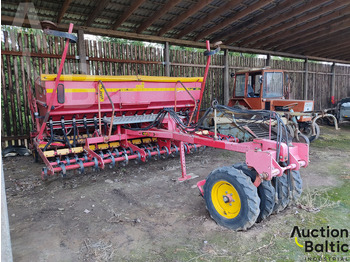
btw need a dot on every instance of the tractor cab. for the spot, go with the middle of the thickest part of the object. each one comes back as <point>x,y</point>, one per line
<point>269,89</point>
<point>254,89</point>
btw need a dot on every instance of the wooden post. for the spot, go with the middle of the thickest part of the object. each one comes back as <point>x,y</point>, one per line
<point>268,60</point>
<point>167,60</point>
<point>306,78</point>
<point>333,84</point>
<point>82,52</point>
<point>226,78</point>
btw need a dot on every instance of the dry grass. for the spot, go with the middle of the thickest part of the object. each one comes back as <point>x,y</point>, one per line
<point>315,200</point>
<point>96,251</point>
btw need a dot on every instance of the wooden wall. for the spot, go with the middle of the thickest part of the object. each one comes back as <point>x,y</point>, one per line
<point>25,56</point>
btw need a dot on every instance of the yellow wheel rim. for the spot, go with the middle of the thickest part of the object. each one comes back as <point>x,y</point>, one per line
<point>225,199</point>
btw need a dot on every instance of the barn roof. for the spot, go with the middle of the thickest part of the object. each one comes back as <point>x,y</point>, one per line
<point>314,29</point>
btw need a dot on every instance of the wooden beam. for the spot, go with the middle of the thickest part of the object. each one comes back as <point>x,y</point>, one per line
<point>63,10</point>
<point>333,85</point>
<point>239,15</point>
<point>333,50</point>
<point>127,35</point>
<point>305,29</point>
<point>303,19</point>
<point>267,15</point>
<point>325,42</point>
<point>277,20</point>
<point>167,59</point>
<point>268,60</point>
<point>207,19</point>
<point>343,25</point>
<point>306,79</point>
<point>82,52</point>
<point>226,77</point>
<point>157,15</point>
<point>192,10</point>
<point>101,5</point>
<point>127,13</point>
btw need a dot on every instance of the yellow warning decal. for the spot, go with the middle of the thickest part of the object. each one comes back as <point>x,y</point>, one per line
<point>102,92</point>
<point>127,78</point>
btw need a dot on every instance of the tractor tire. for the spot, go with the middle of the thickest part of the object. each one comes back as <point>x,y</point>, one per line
<point>317,133</point>
<point>241,211</point>
<point>297,187</point>
<point>282,193</point>
<point>306,129</point>
<point>266,192</point>
<point>301,139</point>
<point>35,155</point>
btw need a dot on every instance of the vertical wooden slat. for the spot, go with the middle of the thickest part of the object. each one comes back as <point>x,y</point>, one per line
<point>13,120</point>
<point>110,56</point>
<point>38,44</point>
<point>56,41</point>
<point>100,54</point>
<point>5,110</point>
<point>17,89</point>
<point>24,87</point>
<point>45,52</point>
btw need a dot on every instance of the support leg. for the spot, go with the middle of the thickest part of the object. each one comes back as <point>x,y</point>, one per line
<point>183,163</point>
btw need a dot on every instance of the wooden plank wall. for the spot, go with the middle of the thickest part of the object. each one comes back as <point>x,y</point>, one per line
<point>25,56</point>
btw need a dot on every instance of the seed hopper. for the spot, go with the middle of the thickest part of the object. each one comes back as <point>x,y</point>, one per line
<point>84,122</point>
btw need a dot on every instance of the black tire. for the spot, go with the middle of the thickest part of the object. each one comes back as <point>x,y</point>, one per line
<point>302,139</point>
<point>306,129</point>
<point>35,155</point>
<point>266,192</point>
<point>247,201</point>
<point>282,193</point>
<point>317,133</point>
<point>297,185</point>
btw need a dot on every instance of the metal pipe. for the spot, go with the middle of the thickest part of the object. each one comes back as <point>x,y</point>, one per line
<point>110,100</point>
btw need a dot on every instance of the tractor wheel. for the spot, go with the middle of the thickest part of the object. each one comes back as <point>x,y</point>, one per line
<point>306,129</point>
<point>231,198</point>
<point>297,185</point>
<point>282,193</point>
<point>266,192</point>
<point>301,139</point>
<point>35,155</point>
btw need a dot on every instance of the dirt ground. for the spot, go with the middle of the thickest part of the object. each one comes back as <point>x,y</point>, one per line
<point>142,213</point>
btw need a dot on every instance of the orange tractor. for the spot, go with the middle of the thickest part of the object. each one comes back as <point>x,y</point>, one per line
<point>267,89</point>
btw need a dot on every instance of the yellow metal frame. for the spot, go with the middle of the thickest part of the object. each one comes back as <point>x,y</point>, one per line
<point>128,78</point>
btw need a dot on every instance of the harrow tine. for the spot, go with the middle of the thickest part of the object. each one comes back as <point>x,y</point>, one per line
<point>63,167</point>
<point>166,155</point>
<point>112,164</point>
<point>126,161</point>
<point>116,152</point>
<point>81,169</point>
<point>95,168</point>
<point>175,152</point>
<point>67,160</point>
<point>157,157</point>
<point>138,159</point>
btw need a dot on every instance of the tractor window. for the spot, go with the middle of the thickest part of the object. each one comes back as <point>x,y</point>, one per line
<point>273,84</point>
<point>258,79</point>
<point>240,85</point>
